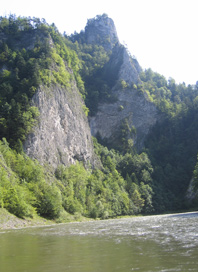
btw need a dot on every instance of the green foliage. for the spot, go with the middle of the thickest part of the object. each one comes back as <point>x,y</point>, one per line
<point>134,175</point>
<point>24,189</point>
<point>93,194</point>
<point>155,180</point>
<point>168,96</point>
<point>120,108</point>
<point>123,84</point>
<point>104,193</point>
<point>48,199</point>
<point>32,53</point>
<point>194,187</point>
<point>14,196</point>
<point>85,109</point>
<point>172,144</point>
<point>98,70</point>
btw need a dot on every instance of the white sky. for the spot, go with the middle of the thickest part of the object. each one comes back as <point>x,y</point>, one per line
<point>162,34</point>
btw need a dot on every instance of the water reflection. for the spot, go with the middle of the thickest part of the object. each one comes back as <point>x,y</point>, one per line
<point>154,243</point>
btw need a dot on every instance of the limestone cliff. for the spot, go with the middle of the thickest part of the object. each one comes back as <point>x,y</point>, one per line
<point>101,30</point>
<point>63,133</point>
<point>131,104</point>
<point>122,66</point>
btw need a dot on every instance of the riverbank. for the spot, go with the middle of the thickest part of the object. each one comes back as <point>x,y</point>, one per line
<point>10,221</point>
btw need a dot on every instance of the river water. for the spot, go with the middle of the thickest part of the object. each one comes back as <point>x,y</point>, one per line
<point>152,243</point>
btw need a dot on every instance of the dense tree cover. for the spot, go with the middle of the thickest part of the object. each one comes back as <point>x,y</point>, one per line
<point>26,189</point>
<point>127,183</point>
<point>99,70</point>
<point>31,53</point>
<point>135,169</point>
<point>172,144</point>
<point>170,98</point>
<point>195,176</point>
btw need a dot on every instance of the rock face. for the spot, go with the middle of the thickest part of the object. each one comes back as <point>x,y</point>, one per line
<point>130,69</point>
<point>122,66</point>
<point>130,105</point>
<point>101,30</point>
<point>63,134</point>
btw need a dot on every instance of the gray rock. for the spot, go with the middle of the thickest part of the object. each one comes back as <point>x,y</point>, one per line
<point>131,104</point>
<point>130,69</point>
<point>63,134</point>
<point>101,31</point>
<point>136,108</point>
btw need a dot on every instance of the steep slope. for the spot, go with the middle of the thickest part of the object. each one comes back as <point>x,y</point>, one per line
<point>39,74</point>
<point>131,105</point>
<point>63,134</point>
<point>119,74</point>
<point>41,107</point>
<point>42,110</point>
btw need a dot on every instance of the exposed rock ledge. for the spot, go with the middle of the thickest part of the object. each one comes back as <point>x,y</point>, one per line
<point>136,108</point>
<point>63,134</point>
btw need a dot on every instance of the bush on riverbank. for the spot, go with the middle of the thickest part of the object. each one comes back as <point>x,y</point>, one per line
<point>26,190</point>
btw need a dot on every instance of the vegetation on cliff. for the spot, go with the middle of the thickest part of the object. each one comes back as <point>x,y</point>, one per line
<point>172,144</point>
<point>26,188</point>
<point>155,180</point>
<point>43,58</point>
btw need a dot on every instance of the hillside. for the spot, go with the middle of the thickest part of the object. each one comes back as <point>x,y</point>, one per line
<point>56,92</point>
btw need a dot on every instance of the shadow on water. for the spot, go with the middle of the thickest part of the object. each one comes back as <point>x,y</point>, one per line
<point>183,215</point>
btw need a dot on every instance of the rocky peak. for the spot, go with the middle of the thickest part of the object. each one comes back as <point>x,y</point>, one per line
<point>131,104</point>
<point>101,30</point>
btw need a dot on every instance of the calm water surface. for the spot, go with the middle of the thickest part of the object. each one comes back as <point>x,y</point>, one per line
<point>153,243</point>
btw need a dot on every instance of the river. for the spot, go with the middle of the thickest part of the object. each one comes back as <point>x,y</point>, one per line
<point>151,243</point>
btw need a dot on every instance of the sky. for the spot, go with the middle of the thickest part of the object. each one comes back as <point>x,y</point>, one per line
<point>161,34</point>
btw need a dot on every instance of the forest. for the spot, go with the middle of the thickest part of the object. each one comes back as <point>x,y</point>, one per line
<point>128,182</point>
